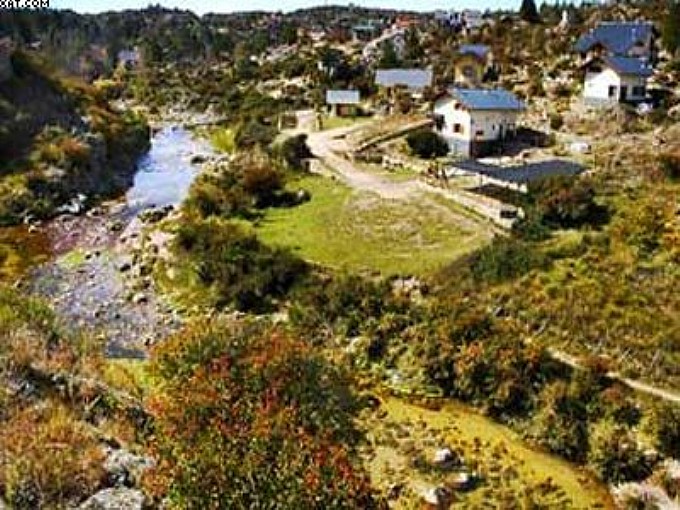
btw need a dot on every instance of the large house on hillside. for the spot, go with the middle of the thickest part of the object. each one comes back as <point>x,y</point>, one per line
<point>618,61</point>
<point>637,39</point>
<point>616,80</point>
<point>475,122</point>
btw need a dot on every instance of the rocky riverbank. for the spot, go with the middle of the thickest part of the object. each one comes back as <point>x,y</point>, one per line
<point>99,278</point>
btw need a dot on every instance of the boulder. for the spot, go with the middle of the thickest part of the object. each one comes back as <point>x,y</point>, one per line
<point>462,481</point>
<point>124,266</point>
<point>125,468</point>
<point>445,457</point>
<point>198,159</point>
<point>436,496</point>
<point>579,148</point>
<point>115,499</point>
<point>140,298</point>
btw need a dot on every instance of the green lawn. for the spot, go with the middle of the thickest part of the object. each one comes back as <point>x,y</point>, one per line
<point>333,122</point>
<point>355,231</point>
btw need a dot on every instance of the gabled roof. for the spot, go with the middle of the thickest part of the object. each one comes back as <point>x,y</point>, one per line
<point>410,78</point>
<point>524,173</point>
<point>342,97</point>
<point>487,99</point>
<point>629,65</point>
<point>478,50</point>
<point>616,37</point>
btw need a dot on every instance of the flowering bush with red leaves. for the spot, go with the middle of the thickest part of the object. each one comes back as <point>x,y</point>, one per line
<point>250,418</point>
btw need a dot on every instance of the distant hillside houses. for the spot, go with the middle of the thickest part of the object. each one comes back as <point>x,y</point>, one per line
<point>415,81</point>
<point>473,65</point>
<point>129,59</point>
<point>619,59</point>
<point>466,20</point>
<point>476,122</point>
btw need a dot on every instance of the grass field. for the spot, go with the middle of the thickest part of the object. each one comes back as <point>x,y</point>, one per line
<point>513,475</point>
<point>334,122</point>
<point>356,231</point>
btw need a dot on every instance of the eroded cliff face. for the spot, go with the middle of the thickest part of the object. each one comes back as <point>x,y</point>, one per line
<point>60,138</point>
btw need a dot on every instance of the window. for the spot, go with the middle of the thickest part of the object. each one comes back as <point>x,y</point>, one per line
<point>458,128</point>
<point>612,91</point>
<point>639,91</point>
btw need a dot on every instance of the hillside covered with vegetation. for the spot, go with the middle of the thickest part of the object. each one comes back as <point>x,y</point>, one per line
<point>60,138</point>
<point>330,346</point>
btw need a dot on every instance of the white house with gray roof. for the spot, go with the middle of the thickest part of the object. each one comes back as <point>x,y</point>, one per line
<point>475,122</point>
<point>611,80</point>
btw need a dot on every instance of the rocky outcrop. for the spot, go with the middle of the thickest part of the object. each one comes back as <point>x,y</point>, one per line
<point>125,469</point>
<point>115,499</point>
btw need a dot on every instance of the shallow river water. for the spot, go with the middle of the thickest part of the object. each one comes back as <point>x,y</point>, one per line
<point>93,282</point>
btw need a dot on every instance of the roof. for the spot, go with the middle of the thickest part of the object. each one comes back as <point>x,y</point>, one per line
<point>629,65</point>
<point>410,78</point>
<point>522,174</point>
<point>478,50</point>
<point>342,97</point>
<point>617,37</point>
<point>487,99</point>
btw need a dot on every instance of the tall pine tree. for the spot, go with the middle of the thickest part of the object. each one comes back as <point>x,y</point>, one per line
<point>528,12</point>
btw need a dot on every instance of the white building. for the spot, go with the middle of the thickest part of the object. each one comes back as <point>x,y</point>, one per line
<point>129,59</point>
<point>475,122</point>
<point>616,80</point>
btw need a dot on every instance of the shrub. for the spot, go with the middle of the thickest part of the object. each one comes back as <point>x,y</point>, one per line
<point>665,428</point>
<point>235,266</point>
<point>293,151</point>
<point>341,305</point>
<point>556,121</point>
<point>564,202</point>
<point>615,456</point>
<point>250,418</point>
<point>250,181</point>
<point>561,425</point>
<point>427,144</point>
<point>254,133</point>
<point>670,164</point>
<point>49,458</point>
<point>504,259</point>
<point>224,140</point>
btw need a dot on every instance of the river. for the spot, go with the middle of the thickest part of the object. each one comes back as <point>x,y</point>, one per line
<point>97,280</point>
